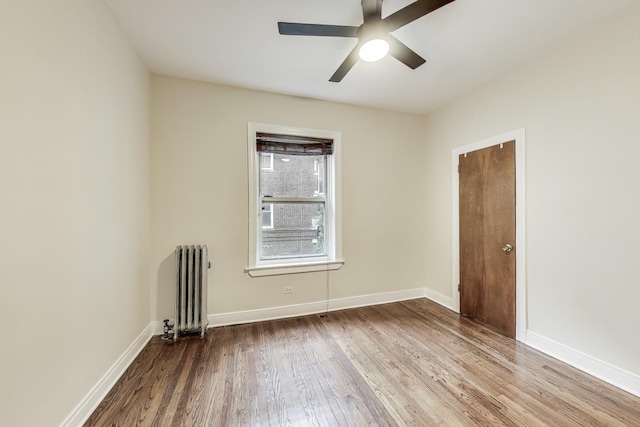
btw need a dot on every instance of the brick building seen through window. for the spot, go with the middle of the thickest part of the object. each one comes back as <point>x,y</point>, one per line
<point>292,228</point>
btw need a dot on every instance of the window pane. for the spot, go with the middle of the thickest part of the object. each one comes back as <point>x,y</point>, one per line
<point>298,231</point>
<point>319,172</point>
<point>266,161</point>
<point>294,176</point>
<point>267,215</point>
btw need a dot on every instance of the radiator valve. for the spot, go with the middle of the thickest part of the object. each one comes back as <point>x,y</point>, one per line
<point>168,330</point>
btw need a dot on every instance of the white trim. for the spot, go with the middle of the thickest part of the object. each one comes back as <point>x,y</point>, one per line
<point>250,316</point>
<point>333,204</point>
<point>307,267</point>
<point>606,372</point>
<point>443,300</point>
<point>90,402</point>
<point>521,287</point>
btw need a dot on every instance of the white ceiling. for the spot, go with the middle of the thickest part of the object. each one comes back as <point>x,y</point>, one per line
<point>236,42</point>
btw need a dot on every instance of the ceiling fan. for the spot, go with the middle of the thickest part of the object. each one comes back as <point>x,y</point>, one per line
<point>375,32</point>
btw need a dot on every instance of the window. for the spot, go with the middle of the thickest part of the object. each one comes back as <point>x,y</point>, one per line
<point>294,223</point>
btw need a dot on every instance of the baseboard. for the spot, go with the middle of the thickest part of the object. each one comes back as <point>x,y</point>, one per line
<point>91,401</point>
<point>250,316</point>
<point>443,300</point>
<point>613,375</point>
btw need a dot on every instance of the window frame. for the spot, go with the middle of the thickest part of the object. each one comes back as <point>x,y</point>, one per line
<point>333,209</point>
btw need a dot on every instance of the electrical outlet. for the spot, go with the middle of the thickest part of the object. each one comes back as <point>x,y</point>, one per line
<point>288,290</point>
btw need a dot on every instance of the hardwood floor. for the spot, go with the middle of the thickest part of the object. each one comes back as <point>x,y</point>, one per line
<point>410,363</point>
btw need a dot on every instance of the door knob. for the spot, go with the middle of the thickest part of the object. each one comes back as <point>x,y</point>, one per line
<point>507,248</point>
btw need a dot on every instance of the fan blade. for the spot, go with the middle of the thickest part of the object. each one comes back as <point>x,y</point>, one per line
<point>402,53</point>
<point>412,12</point>
<point>346,65</point>
<point>298,29</point>
<point>371,9</point>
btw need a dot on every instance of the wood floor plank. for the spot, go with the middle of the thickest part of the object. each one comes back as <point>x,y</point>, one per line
<point>412,363</point>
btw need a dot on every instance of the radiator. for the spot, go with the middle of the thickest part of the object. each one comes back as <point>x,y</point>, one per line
<point>191,290</point>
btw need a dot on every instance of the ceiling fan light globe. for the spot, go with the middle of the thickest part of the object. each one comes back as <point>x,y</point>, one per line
<point>374,50</point>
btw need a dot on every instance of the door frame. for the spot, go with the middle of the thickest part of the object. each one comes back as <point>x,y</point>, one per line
<point>518,136</point>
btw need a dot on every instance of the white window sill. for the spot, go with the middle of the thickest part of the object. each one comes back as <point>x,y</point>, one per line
<point>279,269</point>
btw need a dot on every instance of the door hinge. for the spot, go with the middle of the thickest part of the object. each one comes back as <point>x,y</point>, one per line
<point>458,287</point>
<point>458,168</point>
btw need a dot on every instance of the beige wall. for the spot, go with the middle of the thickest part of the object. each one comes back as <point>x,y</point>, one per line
<point>74,219</point>
<point>199,194</point>
<point>580,105</point>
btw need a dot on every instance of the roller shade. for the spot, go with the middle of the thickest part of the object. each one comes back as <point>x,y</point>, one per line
<point>293,145</point>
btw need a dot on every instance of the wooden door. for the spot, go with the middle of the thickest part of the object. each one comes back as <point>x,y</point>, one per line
<point>487,236</point>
